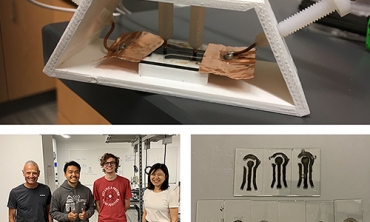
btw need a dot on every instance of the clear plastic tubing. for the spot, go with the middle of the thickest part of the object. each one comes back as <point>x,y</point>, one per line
<point>196,27</point>
<point>165,20</point>
<point>312,14</point>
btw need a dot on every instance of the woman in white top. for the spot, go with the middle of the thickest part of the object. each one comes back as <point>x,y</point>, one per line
<point>160,202</point>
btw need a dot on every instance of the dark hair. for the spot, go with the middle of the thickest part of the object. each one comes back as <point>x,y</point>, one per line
<point>107,156</point>
<point>155,167</point>
<point>71,163</point>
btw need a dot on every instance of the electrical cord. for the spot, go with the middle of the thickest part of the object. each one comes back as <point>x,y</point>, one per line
<point>53,7</point>
<point>121,10</point>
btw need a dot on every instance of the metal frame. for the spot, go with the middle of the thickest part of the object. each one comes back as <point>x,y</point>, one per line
<point>137,144</point>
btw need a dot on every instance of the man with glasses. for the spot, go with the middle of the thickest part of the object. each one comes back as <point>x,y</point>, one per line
<point>112,192</point>
<point>22,199</point>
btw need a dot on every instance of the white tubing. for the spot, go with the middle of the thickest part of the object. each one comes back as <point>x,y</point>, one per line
<point>63,9</point>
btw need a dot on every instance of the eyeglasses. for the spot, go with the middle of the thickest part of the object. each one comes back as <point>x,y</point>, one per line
<point>110,163</point>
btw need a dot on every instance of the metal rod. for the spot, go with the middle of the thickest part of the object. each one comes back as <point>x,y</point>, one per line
<point>140,176</point>
<point>165,151</point>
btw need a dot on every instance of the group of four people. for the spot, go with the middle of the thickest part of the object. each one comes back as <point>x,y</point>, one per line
<point>72,201</point>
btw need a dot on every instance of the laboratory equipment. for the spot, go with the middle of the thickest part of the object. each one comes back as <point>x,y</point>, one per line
<point>275,87</point>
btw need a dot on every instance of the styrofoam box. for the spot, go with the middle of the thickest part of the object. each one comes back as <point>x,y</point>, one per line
<point>275,87</point>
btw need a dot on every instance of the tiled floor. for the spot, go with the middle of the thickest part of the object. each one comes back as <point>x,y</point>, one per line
<point>38,109</point>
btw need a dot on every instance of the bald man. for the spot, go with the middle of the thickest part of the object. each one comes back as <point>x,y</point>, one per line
<point>30,201</point>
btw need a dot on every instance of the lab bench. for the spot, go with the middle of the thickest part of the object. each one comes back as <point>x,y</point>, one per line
<point>334,73</point>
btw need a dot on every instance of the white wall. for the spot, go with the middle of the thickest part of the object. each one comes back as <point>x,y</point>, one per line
<point>48,158</point>
<point>15,151</point>
<point>345,170</point>
<point>93,146</point>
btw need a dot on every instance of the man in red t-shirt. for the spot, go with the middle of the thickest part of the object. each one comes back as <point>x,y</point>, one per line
<point>112,192</point>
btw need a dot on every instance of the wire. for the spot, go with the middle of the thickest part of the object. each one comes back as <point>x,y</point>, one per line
<point>121,10</point>
<point>63,9</point>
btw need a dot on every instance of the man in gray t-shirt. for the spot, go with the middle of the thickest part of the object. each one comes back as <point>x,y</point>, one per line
<point>30,202</point>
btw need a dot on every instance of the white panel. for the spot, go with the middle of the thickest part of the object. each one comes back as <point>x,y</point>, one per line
<point>366,208</point>
<point>210,211</point>
<point>237,210</point>
<point>277,179</point>
<point>319,211</point>
<point>248,172</point>
<point>264,210</point>
<point>292,211</point>
<point>175,74</point>
<point>306,172</point>
<point>347,210</point>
